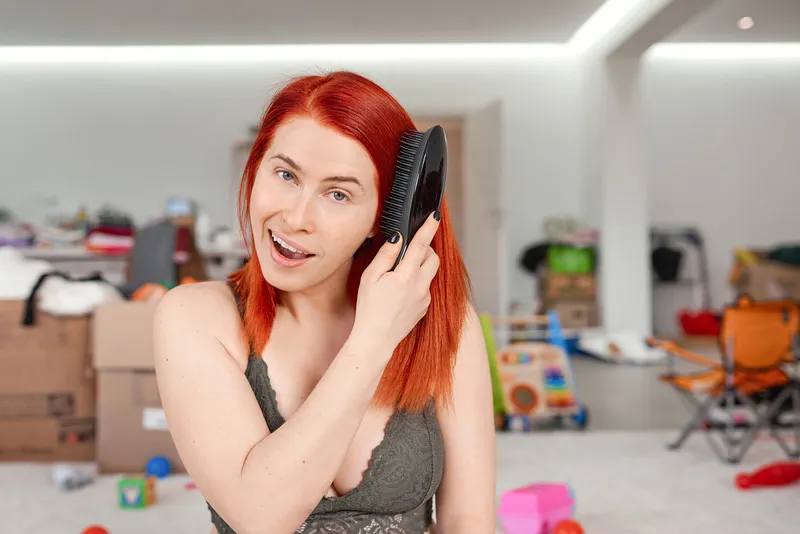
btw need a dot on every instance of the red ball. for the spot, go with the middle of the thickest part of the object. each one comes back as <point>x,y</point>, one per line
<point>568,526</point>
<point>94,529</point>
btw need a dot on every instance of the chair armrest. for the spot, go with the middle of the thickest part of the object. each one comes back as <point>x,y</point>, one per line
<point>674,350</point>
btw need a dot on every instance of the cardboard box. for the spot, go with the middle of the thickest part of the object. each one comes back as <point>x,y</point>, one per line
<point>47,405</point>
<point>557,287</point>
<point>577,314</point>
<point>131,427</point>
<point>768,280</point>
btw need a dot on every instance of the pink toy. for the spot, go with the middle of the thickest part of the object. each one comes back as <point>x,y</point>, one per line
<point>535,509</point>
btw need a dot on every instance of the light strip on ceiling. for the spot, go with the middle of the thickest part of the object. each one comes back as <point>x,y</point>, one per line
<point>724,51</point>
<point>280,53</point>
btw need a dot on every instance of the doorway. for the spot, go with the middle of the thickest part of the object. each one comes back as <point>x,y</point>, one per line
<point>454,187</point>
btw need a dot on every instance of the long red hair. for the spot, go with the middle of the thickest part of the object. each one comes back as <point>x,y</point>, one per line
<point>422,364</point>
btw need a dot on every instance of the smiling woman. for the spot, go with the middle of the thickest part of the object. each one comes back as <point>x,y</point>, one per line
<point>320,390</point>
<point>311,174</point>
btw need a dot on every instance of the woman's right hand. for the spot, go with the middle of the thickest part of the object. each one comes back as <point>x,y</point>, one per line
<point>391,303</point>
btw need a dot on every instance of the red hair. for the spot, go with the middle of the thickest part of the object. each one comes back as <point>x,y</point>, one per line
<point>422,364</point>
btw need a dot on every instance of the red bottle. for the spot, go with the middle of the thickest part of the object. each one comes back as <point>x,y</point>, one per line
<point>777,474</point>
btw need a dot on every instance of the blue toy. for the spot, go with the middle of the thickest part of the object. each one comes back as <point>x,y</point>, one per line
<point>158,466</point>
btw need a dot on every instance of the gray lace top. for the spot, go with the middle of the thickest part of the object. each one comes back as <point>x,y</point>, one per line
<point>403,474</point>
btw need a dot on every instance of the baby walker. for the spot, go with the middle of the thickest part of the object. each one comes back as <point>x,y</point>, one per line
<point>533,379</point>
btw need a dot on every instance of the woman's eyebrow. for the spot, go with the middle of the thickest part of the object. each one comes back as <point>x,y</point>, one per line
<point>344,179</point>
<point>289,161</point>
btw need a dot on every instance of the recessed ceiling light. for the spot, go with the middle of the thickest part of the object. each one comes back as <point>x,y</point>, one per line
<point>745,23</point>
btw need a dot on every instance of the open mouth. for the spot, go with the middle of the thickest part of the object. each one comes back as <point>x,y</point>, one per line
<point>287,250</point>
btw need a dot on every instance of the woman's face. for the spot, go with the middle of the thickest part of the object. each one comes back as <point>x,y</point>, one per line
<point>313,204</point>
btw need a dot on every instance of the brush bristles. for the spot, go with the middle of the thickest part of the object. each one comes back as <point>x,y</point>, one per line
<point>395,206</point>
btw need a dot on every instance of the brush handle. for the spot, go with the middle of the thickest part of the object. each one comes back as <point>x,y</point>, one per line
<point>400,255</point>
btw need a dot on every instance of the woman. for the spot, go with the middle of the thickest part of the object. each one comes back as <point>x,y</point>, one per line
<point>320,391</point>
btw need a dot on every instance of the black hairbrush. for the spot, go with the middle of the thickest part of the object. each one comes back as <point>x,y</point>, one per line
<point>418,186</point>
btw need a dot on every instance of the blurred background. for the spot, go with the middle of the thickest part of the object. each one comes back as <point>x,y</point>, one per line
<point>618,170</point>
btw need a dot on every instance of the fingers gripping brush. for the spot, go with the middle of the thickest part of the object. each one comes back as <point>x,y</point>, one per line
<point>418,187</point>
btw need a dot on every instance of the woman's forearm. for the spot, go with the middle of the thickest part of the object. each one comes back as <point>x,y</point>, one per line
<point>290,470</point>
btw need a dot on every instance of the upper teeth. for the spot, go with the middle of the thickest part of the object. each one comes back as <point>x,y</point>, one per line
<point>284,244</point>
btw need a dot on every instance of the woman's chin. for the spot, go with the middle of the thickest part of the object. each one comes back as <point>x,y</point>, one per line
<point>305,279</point>
<point>288,282</point>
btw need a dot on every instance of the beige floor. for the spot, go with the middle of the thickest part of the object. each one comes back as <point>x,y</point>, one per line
<point>625,481</point>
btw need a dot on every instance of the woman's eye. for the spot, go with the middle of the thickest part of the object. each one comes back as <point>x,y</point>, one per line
<point>286,175</point>
<point>338,196</point>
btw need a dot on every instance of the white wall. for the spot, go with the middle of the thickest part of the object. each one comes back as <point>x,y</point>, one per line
<point>724,153</point>
<point>130,135</point>
<point>485,229</point>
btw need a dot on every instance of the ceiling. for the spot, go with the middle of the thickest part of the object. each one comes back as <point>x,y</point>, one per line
<point>775,21</point>
<point>148,22</point>
<point>169,22</point>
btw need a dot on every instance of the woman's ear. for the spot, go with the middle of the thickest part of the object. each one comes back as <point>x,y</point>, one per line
<point>374,231</point>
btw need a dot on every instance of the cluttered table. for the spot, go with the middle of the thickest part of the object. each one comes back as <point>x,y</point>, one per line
<point>79,261</point>
<point>78,253</point>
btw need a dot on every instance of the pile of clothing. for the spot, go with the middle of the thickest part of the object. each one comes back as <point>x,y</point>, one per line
<point>56,293</point>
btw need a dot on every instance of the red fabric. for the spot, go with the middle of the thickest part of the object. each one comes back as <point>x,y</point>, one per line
<point>111,230</point>
<point>182,240</point>
<point>701,323</point>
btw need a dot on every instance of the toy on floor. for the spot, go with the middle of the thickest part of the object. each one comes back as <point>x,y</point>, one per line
<point>136,492</point>
<point>158,466</point>
<point>536,377</point>
<point>537,509</point>
<point>94,529</point>
<point>771,475</point>
<point>68,477</point>
<point>568,526</point>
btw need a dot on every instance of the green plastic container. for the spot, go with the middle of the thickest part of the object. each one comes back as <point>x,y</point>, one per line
<point>565,259</point>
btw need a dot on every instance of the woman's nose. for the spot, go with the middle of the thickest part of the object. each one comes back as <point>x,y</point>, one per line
<point>299,215</point>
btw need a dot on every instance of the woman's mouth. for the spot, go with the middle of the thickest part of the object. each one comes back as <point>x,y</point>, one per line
<point>286,253</point>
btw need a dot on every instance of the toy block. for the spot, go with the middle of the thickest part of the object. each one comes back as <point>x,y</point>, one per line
<point>536,508</point>
<point>136,492</point>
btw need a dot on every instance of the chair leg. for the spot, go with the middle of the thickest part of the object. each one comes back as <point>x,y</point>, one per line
<point>730,447</point>
<point>764,421</point>
<point>738,446</point>
<point>790,394</point>
<point>733,447</point>
<point>700,414</point>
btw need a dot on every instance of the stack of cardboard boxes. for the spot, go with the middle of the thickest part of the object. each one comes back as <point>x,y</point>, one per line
<point>81,388</point>
<point>47,393</point>
<point>569,287</point>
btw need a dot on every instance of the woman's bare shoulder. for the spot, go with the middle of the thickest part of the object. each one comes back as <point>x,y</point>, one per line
<point>205,309</point>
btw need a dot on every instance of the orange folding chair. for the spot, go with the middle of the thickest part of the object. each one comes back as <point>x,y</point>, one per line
<point>758,343</point>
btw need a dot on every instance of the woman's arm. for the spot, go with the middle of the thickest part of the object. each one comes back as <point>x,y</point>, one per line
<point>257,481</point>
<point>465,502</point>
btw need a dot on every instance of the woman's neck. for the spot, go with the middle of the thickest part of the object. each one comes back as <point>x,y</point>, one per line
<point>322,303</point>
